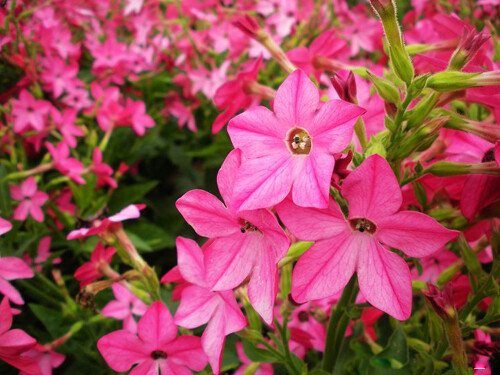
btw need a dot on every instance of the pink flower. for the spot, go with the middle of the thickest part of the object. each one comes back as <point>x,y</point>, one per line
<point>137,116</point>
<point>358,244</point>
<point>5,226</point>
<point>57,76</point>
<point>12,268</point>
<point>63,163</point>
<point>46,359</point>
<point>155,349</point>
<point>290,150</point>
<point>65,122</point>
<point>100,225</point>
<point>43,253</point>
<point>97,266</point>
<point>124,307</point>
<point>29,112</point>
<point>200,306</point>
<point>244,244</point>
<point>31,200</point>
<point>15,342</point>
<point>102,170</point>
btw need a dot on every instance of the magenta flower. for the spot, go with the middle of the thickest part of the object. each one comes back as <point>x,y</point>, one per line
<point>43,253</point>
<point>5,226</point>
<point>12,268</point>
<point>156,348</point>
<point>15,342</point>
<point>98,265</point>
<point>31,200</point>
<point>102,170</point>
<point>63,163</point>
<point>46,359</point>
<point>124,307</point>
<point>200,306</point>
<point>245,244</point>
<point>359,244</point>
<point>29,112</point>
<point>138,117</point>
<point>290,150</point>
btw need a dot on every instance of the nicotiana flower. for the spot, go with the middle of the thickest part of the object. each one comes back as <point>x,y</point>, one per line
<point>124,307</point>
<point>5,226</point>
<point>244,244</point>
<point>359,243</point>
<point>155,349</point>
<point>31,200</point>
<point>15,342</point>
<point>29,112</point>
<point>290,150</point>
<point>97,267</point>
<point>199,305</point>
<point>12,268</point>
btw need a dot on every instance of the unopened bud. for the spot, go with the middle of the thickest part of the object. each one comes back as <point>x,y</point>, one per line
<point>451,81</point>
<point>470,43</point>
<point>418,85</point>
<point>445,169</point>
<point>385,88</point>
<point>345,88</point>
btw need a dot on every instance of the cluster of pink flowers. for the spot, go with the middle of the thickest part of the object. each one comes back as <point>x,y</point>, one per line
<point>364,170</point>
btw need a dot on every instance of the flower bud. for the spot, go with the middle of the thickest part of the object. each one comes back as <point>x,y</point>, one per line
<point>345,88</point>
<point>445,169</point>
<point>402,64</point>
<point>441,300</point>
<point>385,88</point>
<point>451,81</point>
<point>469,45</point>
<point>418,85</point>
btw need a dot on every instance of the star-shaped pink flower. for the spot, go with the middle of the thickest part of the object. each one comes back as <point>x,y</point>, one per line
<point>31,200</point>
<point>290,150</point>
<point>156,347</point>
<point>359,243</point>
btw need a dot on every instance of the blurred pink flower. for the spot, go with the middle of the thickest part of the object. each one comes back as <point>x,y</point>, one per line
<point>124,307</point>
<point>5,226</point>
<point>46,359</point>
<point>102,170</point>
<point>43,253</point>
<point>68,166</point>
<point>98,265</point>
<point>29,112</point>
<point>31,200</point>
<point>156,348</point>
<point>12,268</point>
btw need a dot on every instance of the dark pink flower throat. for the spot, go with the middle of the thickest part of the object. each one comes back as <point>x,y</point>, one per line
<point>158,354</point>
<point>363,225</point>
<point>299,141</point>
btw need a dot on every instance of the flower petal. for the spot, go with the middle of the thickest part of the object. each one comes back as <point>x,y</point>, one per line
<point>227,175</point>
<point>213,339</point>
<point>197,307</point>
<point>312,224</point>
<point>372,190</point>
<point>206,214</point>
<point>478,192</point>
<point>190,261</point>
<point>296,100</point>
<point>414,233</point>
<point>12,268</point>
<point>384,279</point>
<point>186,351</point>
<point>157,326</point>
<point>325,268</point>
<point>121,350</point>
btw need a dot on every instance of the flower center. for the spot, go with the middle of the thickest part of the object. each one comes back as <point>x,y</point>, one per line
<point>303,316</point>
<point>489,155</point>
<point>158,354</point>
<point>299,141</point>
<point>246,226</point>
<point>363,225</point>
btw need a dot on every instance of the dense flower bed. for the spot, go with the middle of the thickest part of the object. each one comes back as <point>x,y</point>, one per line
<point>250,187</point>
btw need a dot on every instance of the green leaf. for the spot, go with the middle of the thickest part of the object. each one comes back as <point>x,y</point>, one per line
<point>123,196</point>
<point>396,354</point>
<point>53,320</point>
<point>5,201</point>
<point>152,235</point>
<point>256,354</point>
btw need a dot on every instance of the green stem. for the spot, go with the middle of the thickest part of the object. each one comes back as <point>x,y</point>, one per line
<point>339,321</point>
<point>359,129</point>
<point>284,338</point>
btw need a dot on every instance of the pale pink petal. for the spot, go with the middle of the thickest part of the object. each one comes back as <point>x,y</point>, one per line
<point>197,307</point>
<point>39,198</point>
<point>157,326</point>
<point>257,132</point>
<point>262,287</point>
<point>263,182</point>
<point>186,351</point>
<point>5,226</point>
<point>190,261</point>
<point>333,125</point>
<point>229,260</point>
<point>372,190</point>
<point>12,268</point>
<point>213,339</point>
<point>414,233</point>
<point>206,214</point>
<point>325,268</point>
<point>296,100</point>
<point>312,224</point>
<point>122,349</point>
<point>122,293</point>
<point>311,186</point>
<point>227,175</point>
<point>129,212</point>
<point>384,278</point>
<point>116,309</point>
<point>10,292</point>
<point>36,213</point>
